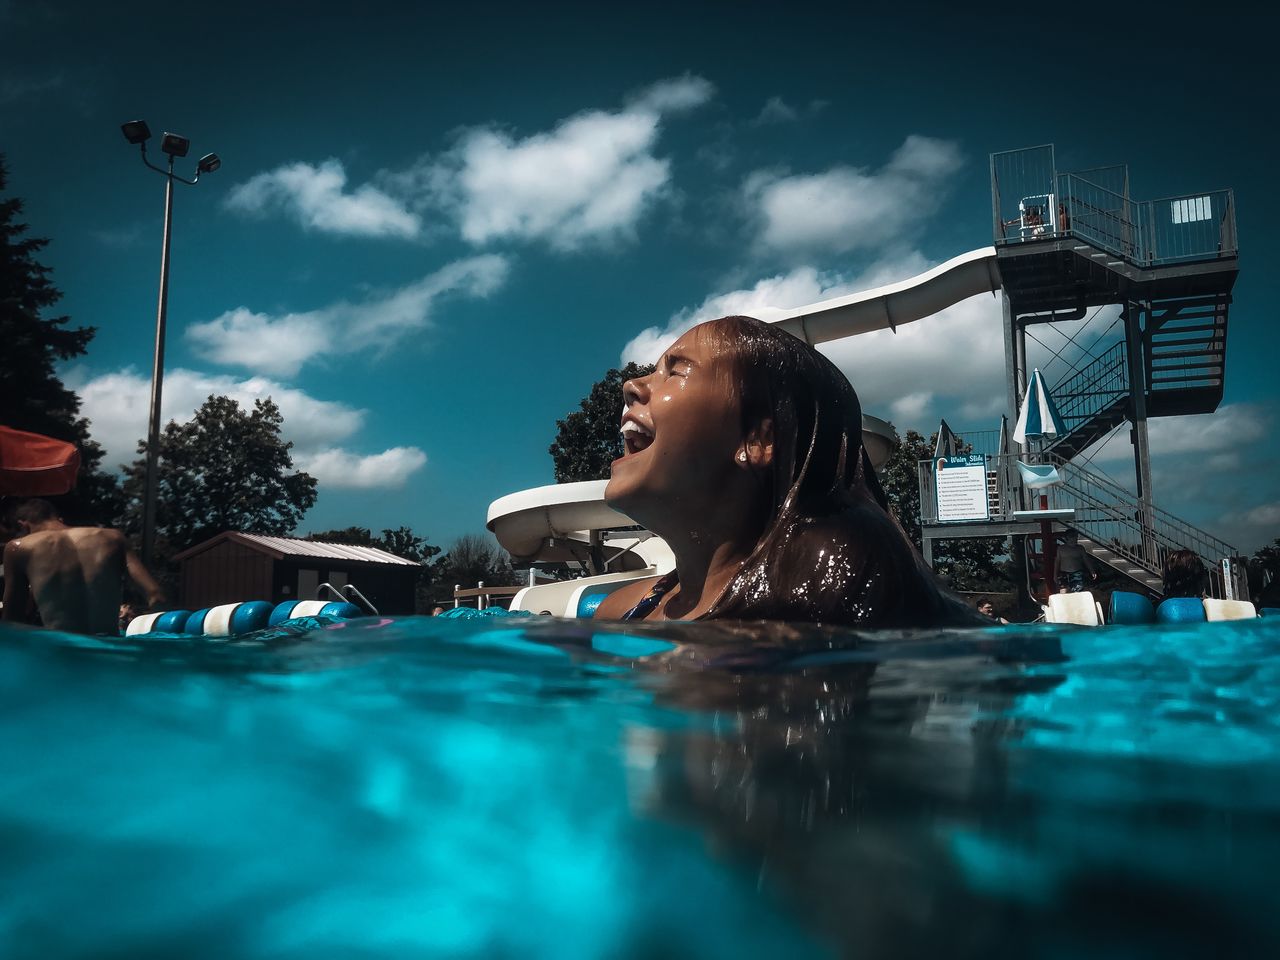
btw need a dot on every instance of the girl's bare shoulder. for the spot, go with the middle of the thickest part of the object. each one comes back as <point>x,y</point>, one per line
<point>624,598</point>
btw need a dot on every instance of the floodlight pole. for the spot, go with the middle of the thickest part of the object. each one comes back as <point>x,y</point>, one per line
<point>157,383</point>
<point>137,132</point>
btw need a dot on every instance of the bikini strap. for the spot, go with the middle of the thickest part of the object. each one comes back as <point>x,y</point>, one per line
<point>652,598</point>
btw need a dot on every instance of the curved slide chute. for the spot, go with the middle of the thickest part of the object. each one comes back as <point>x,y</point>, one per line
<point>890,306</point>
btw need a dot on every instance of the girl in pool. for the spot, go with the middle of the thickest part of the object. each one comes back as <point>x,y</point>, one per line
<point>744,452</point>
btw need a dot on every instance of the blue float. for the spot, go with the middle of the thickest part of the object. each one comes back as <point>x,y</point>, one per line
<point>344,610</point>
<point>174,621</point>
<point>282,612</point>
<point>1131,608</point>
<point>1181,610</point>
<point>251,616</point>
<point>195,622</point>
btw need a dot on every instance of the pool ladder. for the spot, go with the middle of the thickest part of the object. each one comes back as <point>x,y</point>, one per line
<point>347,594</point>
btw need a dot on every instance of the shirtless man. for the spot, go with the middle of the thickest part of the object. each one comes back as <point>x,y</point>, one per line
<point>76,574</point>
<point>1071,564</point>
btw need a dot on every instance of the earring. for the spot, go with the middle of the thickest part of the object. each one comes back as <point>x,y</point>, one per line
<point>742,456</point>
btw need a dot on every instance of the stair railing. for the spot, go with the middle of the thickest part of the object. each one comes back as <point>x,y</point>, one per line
<point>1117,519</point>
<point>1105,512</point>
<point>1087,392</point>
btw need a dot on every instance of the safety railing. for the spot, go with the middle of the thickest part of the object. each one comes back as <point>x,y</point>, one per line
<point>1088,391</point>
<point>1192,227</point>
<point>979,441</point>
<point>1099,216</point>
<point>1017,175</point>
<point>1105,512</point>
<point>1031,201</point>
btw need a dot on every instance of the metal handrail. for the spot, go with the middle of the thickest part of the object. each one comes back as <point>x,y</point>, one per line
<point>1117,519</point>
<point>1147,233</point>
<point>1103,380</point>
<point>1104,511</point>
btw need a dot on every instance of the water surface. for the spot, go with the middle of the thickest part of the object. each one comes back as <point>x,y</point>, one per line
<point>540,788</point>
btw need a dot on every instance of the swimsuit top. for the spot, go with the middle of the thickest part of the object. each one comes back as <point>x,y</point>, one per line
<point>651,599</point>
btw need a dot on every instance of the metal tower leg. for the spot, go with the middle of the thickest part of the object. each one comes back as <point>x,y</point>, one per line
<point>1132,316</point>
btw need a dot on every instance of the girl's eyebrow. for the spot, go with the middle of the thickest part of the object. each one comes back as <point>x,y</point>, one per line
<point>674,358</point>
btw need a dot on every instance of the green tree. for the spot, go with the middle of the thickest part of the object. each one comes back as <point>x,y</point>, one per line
<point>32,397</point>
<point>971,564</point>
<point>351,536</point>
<point>473,558</point>
<point>587,440</point>
<point>225,469</point>
<point>1268,558</point>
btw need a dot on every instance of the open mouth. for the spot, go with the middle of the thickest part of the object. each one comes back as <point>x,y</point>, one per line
<point>635,437</point>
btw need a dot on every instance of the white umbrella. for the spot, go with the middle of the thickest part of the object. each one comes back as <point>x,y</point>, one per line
<point>1039,416</point>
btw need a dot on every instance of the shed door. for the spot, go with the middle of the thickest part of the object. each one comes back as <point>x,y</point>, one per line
<point>308,581</point>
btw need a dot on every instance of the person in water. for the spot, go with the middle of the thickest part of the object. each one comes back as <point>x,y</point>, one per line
<point>744,453</point>
<point>1184,575</point>
<point>75,574</point>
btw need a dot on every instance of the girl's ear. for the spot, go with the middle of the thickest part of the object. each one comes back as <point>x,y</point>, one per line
<point>759,445</point>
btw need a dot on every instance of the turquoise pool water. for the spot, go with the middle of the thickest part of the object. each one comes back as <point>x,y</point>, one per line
<point>427,788</point>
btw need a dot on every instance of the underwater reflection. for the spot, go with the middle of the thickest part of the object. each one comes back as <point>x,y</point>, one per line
<point>884,792</point>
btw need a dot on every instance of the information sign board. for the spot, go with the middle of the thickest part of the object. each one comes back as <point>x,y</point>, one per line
<point>962,488</point>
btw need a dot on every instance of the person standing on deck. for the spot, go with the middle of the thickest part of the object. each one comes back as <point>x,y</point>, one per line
<point>75,574</point>
<point>1071,564</point>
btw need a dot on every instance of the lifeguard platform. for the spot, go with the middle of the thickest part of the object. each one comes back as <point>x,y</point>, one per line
<point>1068,246</point>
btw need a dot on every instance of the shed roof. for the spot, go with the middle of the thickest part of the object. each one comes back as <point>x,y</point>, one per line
<point>282,547</point>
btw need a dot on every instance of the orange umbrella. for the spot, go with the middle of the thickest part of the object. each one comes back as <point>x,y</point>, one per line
<point>32,465</point>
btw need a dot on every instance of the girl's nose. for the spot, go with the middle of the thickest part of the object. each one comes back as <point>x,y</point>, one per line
<point>635,391</point>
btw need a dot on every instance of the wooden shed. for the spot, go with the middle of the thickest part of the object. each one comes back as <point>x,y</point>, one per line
<point>249,566</point>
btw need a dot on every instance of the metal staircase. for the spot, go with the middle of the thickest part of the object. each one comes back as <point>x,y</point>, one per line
<point>1066,243</point>
<point>1186,354</point>
<point>1093,400</point>
<point>1110,522</point>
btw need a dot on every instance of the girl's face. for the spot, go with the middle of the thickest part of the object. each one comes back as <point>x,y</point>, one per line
<point>682,429</point>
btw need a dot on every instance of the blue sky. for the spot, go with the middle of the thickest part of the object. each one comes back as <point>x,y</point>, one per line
<point>436,226</point>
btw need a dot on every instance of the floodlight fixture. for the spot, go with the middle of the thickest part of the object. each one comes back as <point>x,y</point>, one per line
<point>175,145</point>
<point>136,131</point>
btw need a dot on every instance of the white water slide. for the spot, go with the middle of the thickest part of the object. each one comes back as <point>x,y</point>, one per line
<point>528,523</point>
<point>894,304</point>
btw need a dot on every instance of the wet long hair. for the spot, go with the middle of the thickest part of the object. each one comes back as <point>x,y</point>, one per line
<point>830,551</point>
<point>1184,575</point>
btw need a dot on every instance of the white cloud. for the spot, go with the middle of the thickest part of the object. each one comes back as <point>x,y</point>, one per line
<point>776,110</point>
<point>16,88</point>
<point>846,208</point>
<point>911,407</point>
<point>335,467</point>
<point>589,179</point>
<point>1226,431</point>
<point>1264,515</point>
<point>1251,528</point>
<point>673,95</point>
<point>950,362</point>
<point>117,405</point>
<point>281,344</point>
<point>317,198</point>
